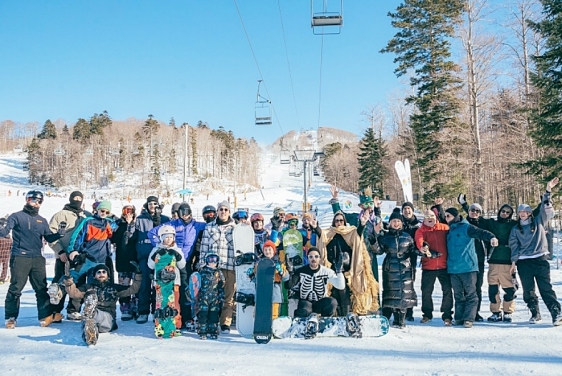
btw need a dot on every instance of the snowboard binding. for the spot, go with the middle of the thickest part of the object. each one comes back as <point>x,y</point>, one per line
<point>353,326</point>
<point>166,275</point>
<point>245,258</point>
<point>311,326</point>
<point>297,261</point>
<point>245,299</point>
<point>163,313</point>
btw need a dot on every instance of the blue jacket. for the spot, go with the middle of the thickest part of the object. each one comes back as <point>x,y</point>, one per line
<point>461,252</point>
<point>93,237</point>
<point>28,233</point>
<point>186,235</point>
<point>143,224</point>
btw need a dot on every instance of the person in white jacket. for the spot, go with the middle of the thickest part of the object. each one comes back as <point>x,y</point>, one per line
<point>167,235</point>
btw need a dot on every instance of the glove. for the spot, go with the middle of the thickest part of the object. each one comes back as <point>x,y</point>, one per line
<point>296,260</point>
<point>461,199</point>
<point>289,265</point>
<point>279,268</point>
<point>425,249</point>
<point>136,266</point>
<point>62,228</point>
<point>338,263</point>
<point>176,255</point>
<point>276,223</point>
<point>162,251</point>
<point>250,272</point>
<point>67,280</point>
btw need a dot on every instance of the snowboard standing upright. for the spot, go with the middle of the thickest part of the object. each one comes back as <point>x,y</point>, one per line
<point>243,239</point>
<point>265,271</point>
<point>194,287</point>
<point>292,248</point>
<point>167,318</point>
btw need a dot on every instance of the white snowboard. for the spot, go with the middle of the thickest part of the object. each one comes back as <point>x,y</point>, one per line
<point>243,238</point>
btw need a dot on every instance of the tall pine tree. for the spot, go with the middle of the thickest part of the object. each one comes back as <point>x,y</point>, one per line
<point>422,46</point>
<point>49,131</point>
<point>547,116</point>
<point>372,150</point>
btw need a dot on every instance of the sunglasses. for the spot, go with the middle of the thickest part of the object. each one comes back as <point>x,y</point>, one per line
<point>103,211</point>
<point>313,256</point>
<point>36,200</point>
<point>506,212</point>
<point>339,220</point>
<point>101,271</point>
<point>223,209</point>
<point>128,211</point>
<point>369,204</point>
<point>475,211</point>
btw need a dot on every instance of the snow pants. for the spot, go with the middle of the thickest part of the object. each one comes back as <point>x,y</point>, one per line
<point>537,270</point>
<point>466,299</point>
<point>73,304</point>
<point>326,307</point>
<point>229,290</point>
<point>427,285</point>
<point>104,321</point>
<point>499,276</point>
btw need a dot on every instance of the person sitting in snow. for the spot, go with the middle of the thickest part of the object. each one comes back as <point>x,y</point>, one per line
<point>100,301</point>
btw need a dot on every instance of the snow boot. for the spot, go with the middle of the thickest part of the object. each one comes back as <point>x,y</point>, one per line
<point>556,316</point>
<point>55,293</point>
<point>467,324</point>
<point>11,323</point>
<point>142,319</point>
<point>507,317</point>
<point>90,304</point>
<point>535,314</point>
<point>496,316</point>
<point>311,326</point>
<point>90,331</point>
<point>74,316</point>
<point>125,312</point>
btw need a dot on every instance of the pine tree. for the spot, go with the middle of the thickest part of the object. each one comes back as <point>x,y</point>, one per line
<point>33,163</point>
<point>99,122</point>
<point>370,157</point>
<point>155,176</point>
<point>547,116</point>
<point>81,131</point>
<point>422,46</point>
<point>49,131</point>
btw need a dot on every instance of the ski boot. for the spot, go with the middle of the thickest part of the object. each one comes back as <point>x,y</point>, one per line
<point>496,316</point>
<point>311,326</point>
<point>353,326</point>
<point>535,315</point>
<point>55,293</point>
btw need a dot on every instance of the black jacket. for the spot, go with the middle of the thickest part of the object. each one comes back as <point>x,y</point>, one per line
<point>28,232</point>
<point>125,247</point>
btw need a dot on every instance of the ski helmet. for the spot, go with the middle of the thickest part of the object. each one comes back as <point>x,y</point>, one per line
<point>166,230</point>
<point>184,209</point>
<point>175,207</point>
<point>34,195</point>
<point>209,209</point>
<point>239,214</point>
<point>212,257</point>
<point>256,217</point>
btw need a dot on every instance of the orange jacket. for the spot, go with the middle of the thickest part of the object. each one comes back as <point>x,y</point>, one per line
<point>436,237</point>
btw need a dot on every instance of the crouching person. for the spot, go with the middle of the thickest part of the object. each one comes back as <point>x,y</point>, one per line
<point>100,299</point>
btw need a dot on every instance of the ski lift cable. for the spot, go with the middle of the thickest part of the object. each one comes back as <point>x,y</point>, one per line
<point>320,81</point>
<point>288,63</point>
<point>257,65</point>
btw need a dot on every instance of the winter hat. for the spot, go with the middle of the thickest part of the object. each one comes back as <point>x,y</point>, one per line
<point>307,216</point>
<point>366,196</point>
<point>99,267</point>
<point>151,199</point>
<point>396,215</point>
<point>104,205</point>
<point>429,213</point>
<point>524,207</point>
<point>223,204</point>
<point>453,211</point>
<point>278,210</point>
<point>271,244</point>
<point>476,206</point>
<point>175,207</point>
<point>407,203</point>
<point>76,194</point>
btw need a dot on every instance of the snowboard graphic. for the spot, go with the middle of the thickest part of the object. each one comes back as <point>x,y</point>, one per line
<point>265,271</point>
<point>403,172</point>
<point>194,287</point>
<point>243,238</point>
<point>348,326</point>
<point>292,248</point>
<point>167,319</point>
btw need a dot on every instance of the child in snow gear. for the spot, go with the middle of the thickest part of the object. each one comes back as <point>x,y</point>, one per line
<point>210,297</point>
<point>166,260</point>
<point>100,301</point>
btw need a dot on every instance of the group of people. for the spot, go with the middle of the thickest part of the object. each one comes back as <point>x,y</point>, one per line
<point>338,274</point>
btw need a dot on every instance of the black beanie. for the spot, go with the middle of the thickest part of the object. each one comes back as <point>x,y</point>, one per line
<point>396,215</point>
<point>100,266</point>
<point>407,203</point>
<point>175,207</point>
<point>151,199</point>
<point>453,211</point>
<point>76,204</point>
<point>74,194</point>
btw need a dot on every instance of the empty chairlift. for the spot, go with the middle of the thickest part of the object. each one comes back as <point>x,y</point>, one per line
<point>285,157</point>
<point>262,109</point>
<point>327,16</point>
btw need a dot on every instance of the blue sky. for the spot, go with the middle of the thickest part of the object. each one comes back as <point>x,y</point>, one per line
<point>191,60</point>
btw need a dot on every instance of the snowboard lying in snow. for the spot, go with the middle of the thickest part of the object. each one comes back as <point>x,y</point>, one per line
<point>314,326</point>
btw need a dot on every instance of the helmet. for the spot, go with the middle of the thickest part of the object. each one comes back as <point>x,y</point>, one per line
<point>240,213</point>
<point>128,209</point>
<point>290,216</point>
<point>34,195</point>
<point>209,213</point>
<point>256,217</point>
<point>212,257</point>
<point>184,209</point>
<point>175,207</point>
<point>165,230</point>
<point>209,208</point>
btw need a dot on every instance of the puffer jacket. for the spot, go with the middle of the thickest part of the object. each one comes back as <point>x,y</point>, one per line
<point>186,235</point>
<point>461,255</point>
<point>398,283</point>
<point>143,224</point>
<point>436,238</point>
<point>93,237</point>
<point>217,238</point>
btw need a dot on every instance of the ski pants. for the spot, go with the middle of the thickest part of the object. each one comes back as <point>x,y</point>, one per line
<point>325,307</point>
<point>537,270</point>
<point>145,295</point>
<point>427,285</point>
<point>466,299</point>
<point>73,304</point>
<point>499,275</point>
<point>229,290</point>
<point>208,321</point>
<point>479,283</point>
<point>343,299</point>
<point>22,269</point>
<point>104,321</point>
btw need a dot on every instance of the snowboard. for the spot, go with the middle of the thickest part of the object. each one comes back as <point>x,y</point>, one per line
<point>194,287</point>
<point>167,318</point>
<point>265,271</point>
<point>348,326</point>
<point>243,239</point>
<point>292,248</point>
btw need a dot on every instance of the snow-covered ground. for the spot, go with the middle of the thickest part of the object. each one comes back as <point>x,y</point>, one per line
<point>430,349</point>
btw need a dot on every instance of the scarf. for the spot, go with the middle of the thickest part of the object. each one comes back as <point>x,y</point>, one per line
<point>31,210</point>
<point>73,209</point>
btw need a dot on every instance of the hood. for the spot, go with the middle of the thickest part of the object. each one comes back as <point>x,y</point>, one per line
<point>500,219</point>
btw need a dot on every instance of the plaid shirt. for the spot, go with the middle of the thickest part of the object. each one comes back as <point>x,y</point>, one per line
<point>218,239</point>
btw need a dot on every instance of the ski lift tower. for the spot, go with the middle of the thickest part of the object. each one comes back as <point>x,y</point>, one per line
<point>305,156</point>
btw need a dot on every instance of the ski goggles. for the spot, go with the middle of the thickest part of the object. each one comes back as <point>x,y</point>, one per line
<point>128,211</point>
<point>209,215</point>
<point>212,259</point>
<point>242,214</point>
<point>293,222</point>
<point>368,204</point>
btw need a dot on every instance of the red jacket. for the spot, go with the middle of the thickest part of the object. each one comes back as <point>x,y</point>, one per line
<point>436,237</point>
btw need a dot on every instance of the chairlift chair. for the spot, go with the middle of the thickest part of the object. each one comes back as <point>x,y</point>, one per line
<point>326,19</point>
<point>59,151</point>
<point>285,157</point>
<point>262,109</point>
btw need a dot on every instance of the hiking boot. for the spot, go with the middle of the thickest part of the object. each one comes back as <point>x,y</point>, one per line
<point>479,318</point>
<point>556,316</point>
<point>11,323</point>
<point>507,317</point>
<point>142,319</point>
<point>46,321</point>
<point>458,322</point>
<point>535,315</point>
<point>90,332</point>
<point>447,322</point>
<point>90,304</point>
<point>425,320</point>
<point>468,324</point>
<point>496,316</point>
<point>74,316</point>
<point>225,329</point>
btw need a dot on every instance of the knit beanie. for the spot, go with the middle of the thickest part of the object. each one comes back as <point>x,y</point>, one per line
<point>104,205</point>
<point>407,203</point>
<point>396,215</point>
<point>453,211</point>
<point>271,244</point>
<point>223,204</point>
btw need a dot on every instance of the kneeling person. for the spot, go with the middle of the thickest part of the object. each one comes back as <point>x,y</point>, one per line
<point>100,299</point>
<point>311,284</point>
